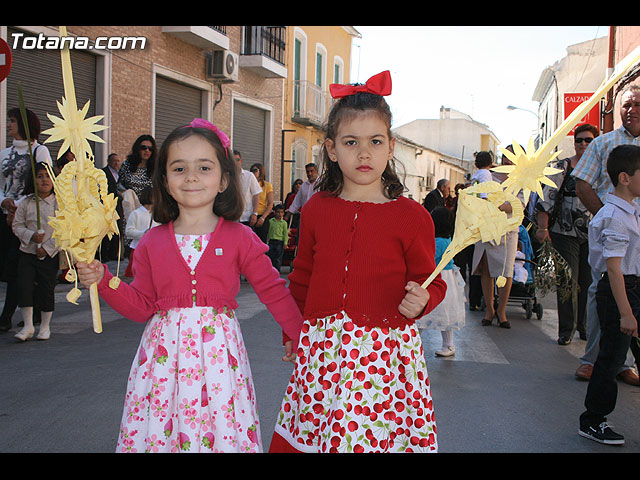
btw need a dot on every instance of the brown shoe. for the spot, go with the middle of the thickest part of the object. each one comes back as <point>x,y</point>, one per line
<point>584,372</point>
<point>629,376</point>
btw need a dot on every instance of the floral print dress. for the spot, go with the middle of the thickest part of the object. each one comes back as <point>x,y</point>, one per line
<point>190,387</point>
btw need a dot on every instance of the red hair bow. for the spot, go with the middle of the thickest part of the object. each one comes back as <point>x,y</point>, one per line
<point>379,84</point>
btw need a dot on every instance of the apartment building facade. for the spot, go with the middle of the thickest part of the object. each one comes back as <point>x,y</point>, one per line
<point>231,75</point>
<point>317,56</point>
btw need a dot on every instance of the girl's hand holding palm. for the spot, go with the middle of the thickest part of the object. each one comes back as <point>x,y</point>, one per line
<point>90,273</point>
<point>414,301</point>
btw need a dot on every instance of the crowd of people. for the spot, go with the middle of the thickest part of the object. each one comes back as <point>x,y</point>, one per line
<point>571,216</point>
<point>368,317</point>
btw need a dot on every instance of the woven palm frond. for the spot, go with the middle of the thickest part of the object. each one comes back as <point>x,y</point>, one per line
<point>552,272</point>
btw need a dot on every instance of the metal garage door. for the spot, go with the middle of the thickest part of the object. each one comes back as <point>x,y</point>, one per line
<point>40,73</point>
<point>176,105</point>
<point>249,125</point>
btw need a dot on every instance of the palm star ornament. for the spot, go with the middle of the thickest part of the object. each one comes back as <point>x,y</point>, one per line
<point>529,170</point>
<point>475,221</point>
<point>86,211</point>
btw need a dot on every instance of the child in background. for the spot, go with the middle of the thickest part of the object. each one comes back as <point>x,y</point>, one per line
<point>360,383</point>
<point>614,250</point>
<point>138,223</point>
<point>278,237</point>
<point>190,387</point>
<point>450,314</point>
<point>38,255</point>
<point>520,273</point>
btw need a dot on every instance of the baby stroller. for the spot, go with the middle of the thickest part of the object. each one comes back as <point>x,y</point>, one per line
<point>524,293</point>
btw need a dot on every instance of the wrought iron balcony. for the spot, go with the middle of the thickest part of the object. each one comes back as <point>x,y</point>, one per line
<point>263,50</point>
<point>267,41</point>
<point>310,103</point>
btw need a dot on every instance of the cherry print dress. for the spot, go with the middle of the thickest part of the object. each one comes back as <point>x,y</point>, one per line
<point>360,382</point>
<point>190,387</point>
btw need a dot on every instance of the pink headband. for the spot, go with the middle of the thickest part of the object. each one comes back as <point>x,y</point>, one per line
<point>202,123</point>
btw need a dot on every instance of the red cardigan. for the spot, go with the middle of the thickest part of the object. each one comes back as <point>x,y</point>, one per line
<point>162,279</point>
<point>357,257</point>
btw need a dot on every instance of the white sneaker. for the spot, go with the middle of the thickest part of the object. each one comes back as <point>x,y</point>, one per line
<point>446,352</point>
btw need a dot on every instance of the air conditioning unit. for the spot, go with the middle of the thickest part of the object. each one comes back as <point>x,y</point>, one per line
<point>222,66</point>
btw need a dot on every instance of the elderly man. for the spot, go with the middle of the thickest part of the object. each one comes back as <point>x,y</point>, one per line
<point>306,189</point>
<point>592,186</point>
<point>437,197</point>
<point>111,247</point>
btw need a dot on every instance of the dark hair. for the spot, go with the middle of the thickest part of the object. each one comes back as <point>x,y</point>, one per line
<point>146,196</point>
<point>29,186</point>
<point>278,207</point>
<point>32,120</point>
<point>261,175</point>
<point>586,127</point>
<point>133,159</point>
<point>331,179</point>
<point>228,204</point>
<point>442,222</point>
<point>64,159</point>
<point>623,158</point>
<point>483,159</point>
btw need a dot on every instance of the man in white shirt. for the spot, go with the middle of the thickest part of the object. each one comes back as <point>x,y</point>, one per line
<point>251,191</point>
<point>306,189</point>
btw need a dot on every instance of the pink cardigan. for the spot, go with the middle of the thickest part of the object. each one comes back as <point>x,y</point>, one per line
<point>162,279</point>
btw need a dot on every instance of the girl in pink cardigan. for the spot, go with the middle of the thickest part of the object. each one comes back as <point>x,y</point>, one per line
<point>190,387</point>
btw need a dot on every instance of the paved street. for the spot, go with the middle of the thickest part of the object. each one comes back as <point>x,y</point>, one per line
<point>505,391</point>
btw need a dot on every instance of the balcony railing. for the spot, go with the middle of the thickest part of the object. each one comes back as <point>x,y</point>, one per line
<point>267,41</point>
<point>310,103</point>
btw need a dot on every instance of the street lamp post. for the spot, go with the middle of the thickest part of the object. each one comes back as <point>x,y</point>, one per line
<point>537,141</point>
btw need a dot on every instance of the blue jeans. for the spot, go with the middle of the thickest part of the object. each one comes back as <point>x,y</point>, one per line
<point>602,391</point>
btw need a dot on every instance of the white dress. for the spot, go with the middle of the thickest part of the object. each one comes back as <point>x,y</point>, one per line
<point>450,313</point>
<point>190,387</point>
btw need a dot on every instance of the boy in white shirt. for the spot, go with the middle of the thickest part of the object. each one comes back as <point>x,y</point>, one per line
<point>614,249</point>
<point>138,223</point>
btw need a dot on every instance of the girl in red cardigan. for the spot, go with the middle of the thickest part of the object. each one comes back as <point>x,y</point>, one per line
<point>360,382</point>
<point>190,387</point>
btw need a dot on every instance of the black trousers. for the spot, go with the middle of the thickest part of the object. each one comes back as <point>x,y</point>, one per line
<point>276,252</point>
<point>37,281</point>
<point>572,311</point>
<point>602,391</point>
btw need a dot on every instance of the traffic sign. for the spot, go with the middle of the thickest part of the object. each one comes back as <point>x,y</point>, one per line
<point>5,59</point>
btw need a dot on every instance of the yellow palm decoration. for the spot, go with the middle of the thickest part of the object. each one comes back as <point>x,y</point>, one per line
<point>530,169</point>
<point>86,212</point>
<point>479,220</point>
<point>528,172</point>
<point>73,128</point>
